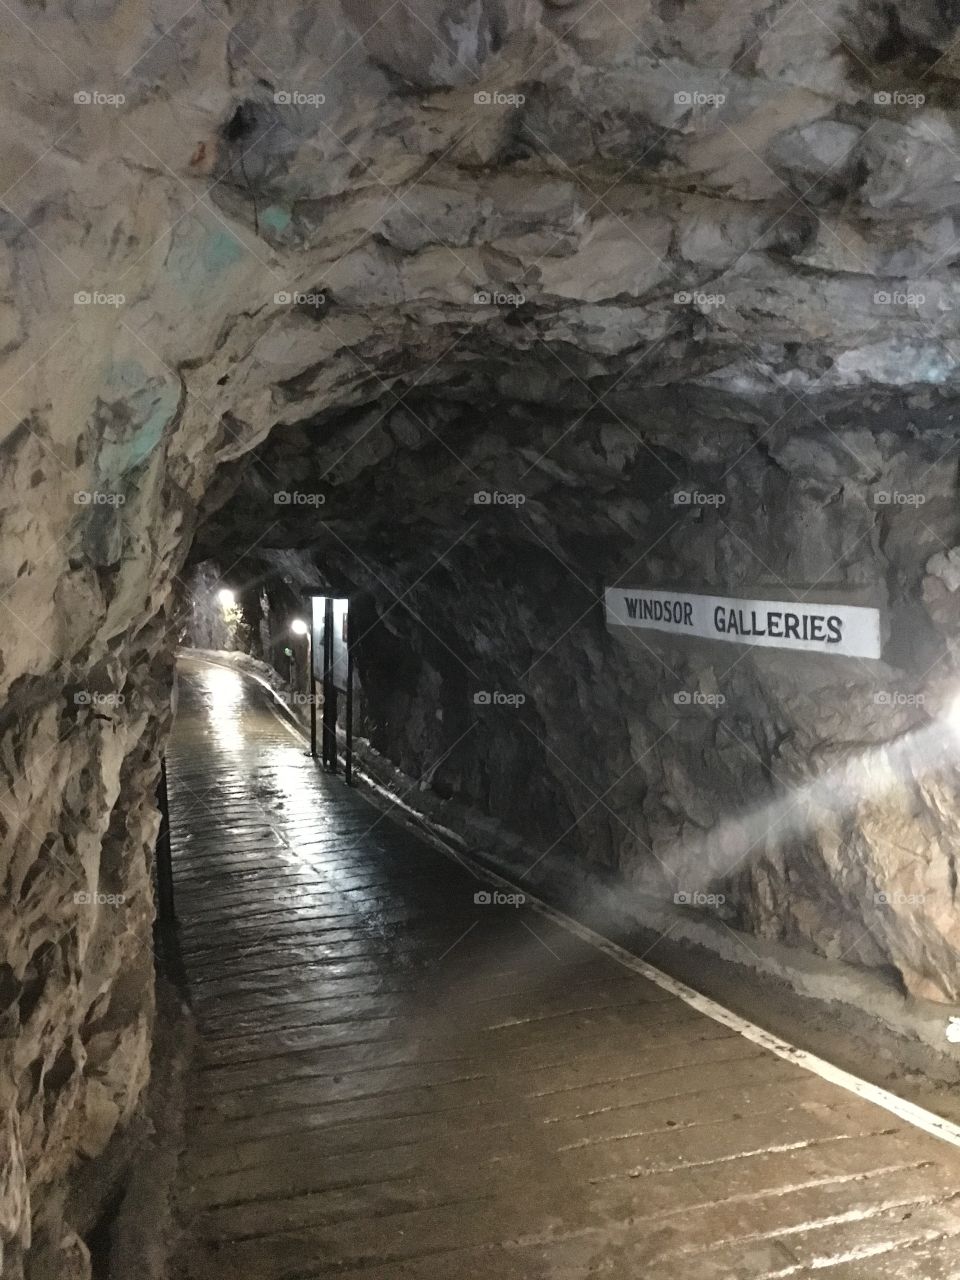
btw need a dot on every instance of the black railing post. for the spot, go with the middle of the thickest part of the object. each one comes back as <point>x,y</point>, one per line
<point>313,694</point>
<point>348,766</point>
<point>329,691</point>
<point>166,911</point>
<point>166,943</point>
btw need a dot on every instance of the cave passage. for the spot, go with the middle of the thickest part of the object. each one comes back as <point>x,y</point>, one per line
<point>605,356</point>
<point>406,1071</point>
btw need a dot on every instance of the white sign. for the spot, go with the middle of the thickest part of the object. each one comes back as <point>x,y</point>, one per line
<point>818,628</point>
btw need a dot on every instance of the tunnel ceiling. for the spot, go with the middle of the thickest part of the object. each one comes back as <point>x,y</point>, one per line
<point>589,253</point>
<point>680,221</point>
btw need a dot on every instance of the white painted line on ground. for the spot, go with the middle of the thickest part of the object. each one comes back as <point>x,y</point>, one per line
<point>909,1112</point>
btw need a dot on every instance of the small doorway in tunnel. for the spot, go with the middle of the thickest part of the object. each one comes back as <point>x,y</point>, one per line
<point>331,666</point>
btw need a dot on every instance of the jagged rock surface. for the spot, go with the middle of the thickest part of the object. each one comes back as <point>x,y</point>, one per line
<point>667,245</point>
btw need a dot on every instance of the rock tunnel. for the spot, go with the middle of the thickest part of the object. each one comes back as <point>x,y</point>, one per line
<point>474,312</point>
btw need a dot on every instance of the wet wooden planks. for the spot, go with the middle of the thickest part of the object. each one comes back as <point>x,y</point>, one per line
<point>400,1081</point>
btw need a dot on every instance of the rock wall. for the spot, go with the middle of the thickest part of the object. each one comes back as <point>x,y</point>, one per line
<point>594,250</point>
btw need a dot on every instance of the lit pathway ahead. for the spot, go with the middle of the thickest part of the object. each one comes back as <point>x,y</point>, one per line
<point>399,1082</point>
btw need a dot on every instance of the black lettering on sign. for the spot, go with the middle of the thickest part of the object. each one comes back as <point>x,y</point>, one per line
<point>775,623</point>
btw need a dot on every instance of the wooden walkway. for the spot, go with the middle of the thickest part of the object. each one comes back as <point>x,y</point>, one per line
<point>398,1080</point>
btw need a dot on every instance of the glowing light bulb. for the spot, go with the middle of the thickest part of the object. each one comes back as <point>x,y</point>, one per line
<point>226,598</point>
<point>299,627</point>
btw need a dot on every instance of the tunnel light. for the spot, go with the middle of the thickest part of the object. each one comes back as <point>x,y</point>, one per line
<point>298,627</point>
<point>226,597</point>
<point>953,716</point>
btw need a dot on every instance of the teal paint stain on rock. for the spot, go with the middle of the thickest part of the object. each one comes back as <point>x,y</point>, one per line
<point>219,251</point>
<point>275,219</point>
<point>199,256</point>
<point>133,418</point>
<point>157,404</point>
